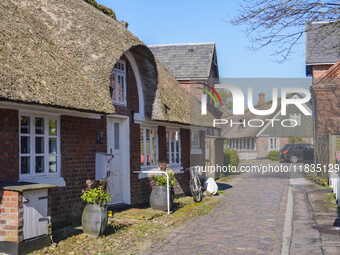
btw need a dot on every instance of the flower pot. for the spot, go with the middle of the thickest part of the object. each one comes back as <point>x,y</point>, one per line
<point>158,198</point>
<point>94,220</point>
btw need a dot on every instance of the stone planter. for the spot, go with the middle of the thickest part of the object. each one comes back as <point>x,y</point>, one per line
<point>94,220</point>
<point>158,198</point>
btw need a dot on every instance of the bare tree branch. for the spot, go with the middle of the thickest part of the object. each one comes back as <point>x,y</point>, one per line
<point>283,22</point>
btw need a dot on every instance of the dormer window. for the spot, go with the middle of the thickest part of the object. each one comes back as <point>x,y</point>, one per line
<point>118,83</point>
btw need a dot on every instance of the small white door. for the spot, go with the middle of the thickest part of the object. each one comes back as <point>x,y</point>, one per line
<point>114,147</point>
<point>35,213</point>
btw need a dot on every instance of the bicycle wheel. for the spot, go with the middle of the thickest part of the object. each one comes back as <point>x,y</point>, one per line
<point>195,192</point>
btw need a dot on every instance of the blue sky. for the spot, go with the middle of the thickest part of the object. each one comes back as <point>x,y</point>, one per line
<point>188,21</point>
<point>191,21</point>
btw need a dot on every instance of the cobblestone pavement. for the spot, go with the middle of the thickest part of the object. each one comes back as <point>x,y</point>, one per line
<point>249,220</point>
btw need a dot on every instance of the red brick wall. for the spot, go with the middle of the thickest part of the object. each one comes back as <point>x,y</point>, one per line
<point>9,146</point>
<point>185,147</point>
<point>78,151</point>
<point>141,188</point>
<point>327,108</point>
<point>319,71</point>
<point>11,216</point>
<point>262,147</point>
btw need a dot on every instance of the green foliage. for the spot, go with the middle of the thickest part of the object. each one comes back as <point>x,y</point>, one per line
<point>231,157</point>
<point>161,179</point>
<point>96,196</point>
<point>295,139</point>
<point>102,8</point>
<point>273,155</point>
<point>226,101</point>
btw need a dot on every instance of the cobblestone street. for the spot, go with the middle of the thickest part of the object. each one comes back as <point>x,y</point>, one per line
<point>249,220</point>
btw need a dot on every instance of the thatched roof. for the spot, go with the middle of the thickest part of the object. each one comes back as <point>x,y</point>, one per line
<point>61,53</point>
<point>174,103</point>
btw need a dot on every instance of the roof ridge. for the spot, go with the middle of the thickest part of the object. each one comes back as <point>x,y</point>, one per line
<point>180,44</point>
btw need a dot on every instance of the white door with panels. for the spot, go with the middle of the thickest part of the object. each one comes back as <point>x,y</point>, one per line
<point>114,147</point>
<point>35,213</point>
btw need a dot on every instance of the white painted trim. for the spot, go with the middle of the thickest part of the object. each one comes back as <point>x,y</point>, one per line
<point>135,69</point>
<point>38,109</point>
<point>278,144</point>
<point>122,73</point>
<point>144,166</point>
<point>32,175</point>
<point>125,152</point>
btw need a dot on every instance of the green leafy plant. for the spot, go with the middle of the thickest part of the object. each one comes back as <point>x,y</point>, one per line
<point>295,139</point>
<point>96,196</point>
<point>273,155</point>
<point>231,157</point>
<point>102,8</point>
<point>161,179</point>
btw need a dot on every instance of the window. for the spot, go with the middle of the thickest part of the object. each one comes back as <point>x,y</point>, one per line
<point>195,139</point>
<point>39,145</point>
<point>296,117</point>
<point>173,147</point>
<point>118,83</point>
<point>274,144</point>
<point>148,147</point>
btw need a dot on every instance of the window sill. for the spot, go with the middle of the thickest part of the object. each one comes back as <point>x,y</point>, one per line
<point>196,151</point>
<point>176,167</point>
<point>147,175</point>
<point>58,181</point>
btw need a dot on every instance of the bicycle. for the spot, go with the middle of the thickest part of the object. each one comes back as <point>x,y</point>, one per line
<point>195,185</point>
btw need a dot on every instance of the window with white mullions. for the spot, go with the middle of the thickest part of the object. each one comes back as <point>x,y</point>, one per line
<point>148,147</point>
<point>273,144</point>
<point>39,145</point>
<point>296,117</point>
<point>173,147</point>
<point>118,83</point>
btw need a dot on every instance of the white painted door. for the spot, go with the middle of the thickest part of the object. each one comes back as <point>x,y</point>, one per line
<point>114,147</point>
<point>35,213</point>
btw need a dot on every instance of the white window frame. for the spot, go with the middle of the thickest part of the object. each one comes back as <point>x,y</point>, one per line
<point>118,72</point>
<point>174,165</point>
<point>296,117</point>
<point>276,145</point>
<point>144,165</point>
<point>46,154</point>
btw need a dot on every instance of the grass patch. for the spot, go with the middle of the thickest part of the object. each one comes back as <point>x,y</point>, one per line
<point>318,180</point>
<point>331,197</point>
<point>220,192</point>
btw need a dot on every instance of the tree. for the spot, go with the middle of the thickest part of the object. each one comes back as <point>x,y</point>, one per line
<point>295,139</point>
<point>283,22</point>
<point>227,104</point>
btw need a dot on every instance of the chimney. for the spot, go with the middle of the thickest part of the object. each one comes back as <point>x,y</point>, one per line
<point>124,23</point>
<point>262,97</point>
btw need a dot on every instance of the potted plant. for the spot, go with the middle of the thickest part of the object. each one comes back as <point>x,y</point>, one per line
<point>94,217</point>
<point>158,197</point>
